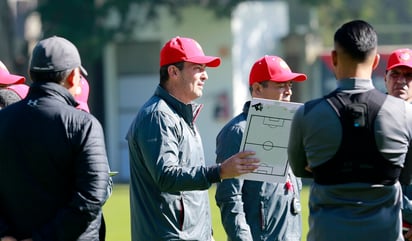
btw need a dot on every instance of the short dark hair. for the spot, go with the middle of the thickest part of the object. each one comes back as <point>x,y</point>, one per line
<point>164,75</point>
<point>357,38</point>
<point>8,97</point>
<point>56,77</point>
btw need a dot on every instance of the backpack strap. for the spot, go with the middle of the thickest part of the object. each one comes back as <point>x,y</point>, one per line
<point>358,158</point>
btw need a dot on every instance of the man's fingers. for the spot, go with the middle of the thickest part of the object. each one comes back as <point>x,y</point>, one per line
<point>248,164</point>
<point>245,157</point>
<point>244,154</point>
<point>238,164</point>
<point>249,161</point>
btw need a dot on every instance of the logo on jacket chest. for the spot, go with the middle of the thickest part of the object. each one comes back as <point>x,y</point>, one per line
<point>32,102</point>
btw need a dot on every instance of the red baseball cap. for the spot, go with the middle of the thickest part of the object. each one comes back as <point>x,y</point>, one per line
<point>273,68</point>
<point>400,57</point>
<point>20,89</point>
<point>83,97</point>
<point>185,49</point>
<point>8,79</point>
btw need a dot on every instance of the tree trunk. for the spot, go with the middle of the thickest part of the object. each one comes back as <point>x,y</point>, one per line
<point>7,35</point>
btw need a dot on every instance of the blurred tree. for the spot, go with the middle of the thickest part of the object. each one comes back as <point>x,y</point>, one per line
<point>90,24</point>
<point>7,33</point>
<point>391,19</point>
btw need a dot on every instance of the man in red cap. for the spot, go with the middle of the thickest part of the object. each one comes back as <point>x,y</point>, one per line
<point>169,180</point>
<point>398,77</point>
<point>398,82</point>
<point>240,201</point>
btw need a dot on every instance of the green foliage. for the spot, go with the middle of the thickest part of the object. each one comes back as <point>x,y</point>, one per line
<point>85,22</point>
<point>74,20</point>
<point>384,15</point>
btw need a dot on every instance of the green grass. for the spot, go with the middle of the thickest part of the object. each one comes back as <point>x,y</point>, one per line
<point>117,214</point>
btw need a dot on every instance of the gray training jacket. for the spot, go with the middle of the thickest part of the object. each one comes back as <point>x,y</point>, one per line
<point>252,210</point>
<point>351,211</point>
<point>169,180</point>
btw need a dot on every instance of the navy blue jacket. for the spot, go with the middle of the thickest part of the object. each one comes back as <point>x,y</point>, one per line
<point>53,168</point>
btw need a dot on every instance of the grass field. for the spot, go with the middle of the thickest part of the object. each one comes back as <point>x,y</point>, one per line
<point>117,214</point>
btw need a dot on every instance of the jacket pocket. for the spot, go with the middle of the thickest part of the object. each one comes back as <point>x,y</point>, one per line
<point>173,209</point>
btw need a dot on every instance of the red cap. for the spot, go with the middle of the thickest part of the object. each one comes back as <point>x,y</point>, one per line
<point>400,57</point>
<point>83,97</point>
<point>185,49</point>
<point>20,89</point>
<point>273,68</point>
<point>8,79</point>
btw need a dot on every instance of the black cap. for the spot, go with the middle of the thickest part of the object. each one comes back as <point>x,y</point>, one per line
<point>55,54</point>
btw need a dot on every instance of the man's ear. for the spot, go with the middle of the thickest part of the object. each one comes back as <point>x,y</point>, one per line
<point>72,84</point>
<point>376,61</point>
<point>256,89</point>
<point>385,79</point>
<point>70,79</point>
<point>172,71</point>
<point>334,55</point>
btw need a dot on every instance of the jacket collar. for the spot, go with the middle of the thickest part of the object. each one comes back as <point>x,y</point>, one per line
<point>189,112</point>
<point>40,89</point>
<point>355,84</point>
<point>246,107</point>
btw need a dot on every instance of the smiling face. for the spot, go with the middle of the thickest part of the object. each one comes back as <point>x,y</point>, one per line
<point>187,84</point>
<point>398,82</point>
